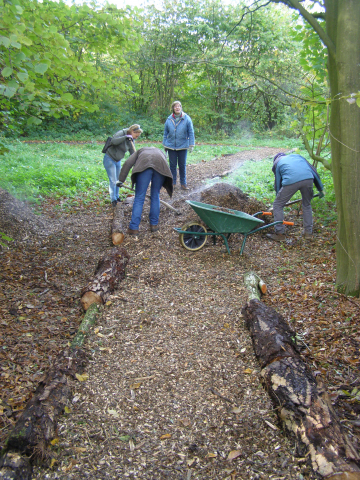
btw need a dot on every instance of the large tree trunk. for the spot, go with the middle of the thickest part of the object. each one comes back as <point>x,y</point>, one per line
<point>342,24</point>
<point>109,271</point>
<point>302,404</point>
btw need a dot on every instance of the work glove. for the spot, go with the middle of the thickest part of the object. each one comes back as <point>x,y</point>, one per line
<point>191,148</point>
<point>321,194</point>
<point>119,184</point>
<point>130,136</point>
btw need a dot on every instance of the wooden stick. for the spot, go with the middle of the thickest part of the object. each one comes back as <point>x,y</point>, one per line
<point>161,201</point>
<point>292,202</point>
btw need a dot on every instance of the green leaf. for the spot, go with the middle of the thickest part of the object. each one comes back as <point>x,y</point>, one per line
<point>5,41</point>
<point>22,76</point>
<point>41,68</point>
<point>6,72</point>
<point>67,97</point>
<point>9,91</point>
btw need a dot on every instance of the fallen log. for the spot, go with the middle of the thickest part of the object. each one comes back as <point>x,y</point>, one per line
<point>36,426</point>
<point>302,403</point>
<point>109,271</point>
<point>117,229</point>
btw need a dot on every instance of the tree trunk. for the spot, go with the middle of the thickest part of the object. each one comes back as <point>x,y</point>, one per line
<point>342,24</point>
<point>109,271</point>
<point>117,230</point>
<point>302,404</point>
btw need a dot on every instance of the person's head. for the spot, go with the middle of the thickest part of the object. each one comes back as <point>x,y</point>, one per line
<point>176,107</point>
<point>135,131</point>
<point>278,155</point>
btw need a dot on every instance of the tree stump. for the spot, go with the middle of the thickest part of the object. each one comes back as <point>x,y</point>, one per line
<point>117,229</point>
<point>302,403</point>
<point>109,271</point>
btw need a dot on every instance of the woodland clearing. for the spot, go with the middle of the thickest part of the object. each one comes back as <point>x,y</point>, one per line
<point>173,388</point>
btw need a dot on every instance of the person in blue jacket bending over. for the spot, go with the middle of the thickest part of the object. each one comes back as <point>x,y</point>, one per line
<point>292,173</point>
<point>178,139</point>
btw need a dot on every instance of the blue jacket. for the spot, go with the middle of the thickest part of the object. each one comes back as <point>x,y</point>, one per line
<point>180,136</point>
<point>294,168</point>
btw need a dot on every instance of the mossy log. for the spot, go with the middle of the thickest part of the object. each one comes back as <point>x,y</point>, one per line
<point>117,228</point>
<point>302,403</point>
<point>109,271</point>
<point>90,317</point>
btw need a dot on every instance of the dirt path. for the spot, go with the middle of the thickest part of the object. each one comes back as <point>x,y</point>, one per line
<point>173,383</point>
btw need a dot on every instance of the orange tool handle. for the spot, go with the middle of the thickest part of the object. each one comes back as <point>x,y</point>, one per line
<point>288,223</point>
<point>266,213</point>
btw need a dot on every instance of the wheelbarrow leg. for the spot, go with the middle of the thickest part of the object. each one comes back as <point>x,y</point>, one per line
<point>243,244</point>
<point>226,242</point>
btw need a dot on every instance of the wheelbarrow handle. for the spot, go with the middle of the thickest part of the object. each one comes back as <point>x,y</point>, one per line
<point>266,213</point>
<point>288,223</point>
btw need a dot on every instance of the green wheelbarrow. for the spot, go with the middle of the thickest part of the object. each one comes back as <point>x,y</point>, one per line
<point>220,221</point>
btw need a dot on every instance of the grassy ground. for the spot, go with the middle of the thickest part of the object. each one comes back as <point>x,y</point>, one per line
<point>38,170</point>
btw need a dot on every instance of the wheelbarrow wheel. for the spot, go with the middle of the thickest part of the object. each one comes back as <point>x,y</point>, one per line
<point>190,240</point>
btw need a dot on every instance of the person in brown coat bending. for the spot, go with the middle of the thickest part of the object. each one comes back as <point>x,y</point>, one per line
<point>148,165</point>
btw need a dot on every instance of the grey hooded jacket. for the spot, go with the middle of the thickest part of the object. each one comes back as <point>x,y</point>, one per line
<point>120,144</point>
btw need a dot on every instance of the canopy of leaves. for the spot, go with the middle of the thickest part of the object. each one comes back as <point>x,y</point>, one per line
<point>55,58</point>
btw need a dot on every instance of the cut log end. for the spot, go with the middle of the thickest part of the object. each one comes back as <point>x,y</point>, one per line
<point>255,285</point>
<point>117,238</point>
<point>89,298</point>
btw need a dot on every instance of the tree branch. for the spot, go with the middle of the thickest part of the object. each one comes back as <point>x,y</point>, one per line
<point>324,37</point>
<point>315,157</point>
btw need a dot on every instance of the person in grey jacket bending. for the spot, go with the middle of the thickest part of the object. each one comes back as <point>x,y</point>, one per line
<point>123,141</point>
<point>178,139</point>
<point>294,173</point>
<point>148,165</point>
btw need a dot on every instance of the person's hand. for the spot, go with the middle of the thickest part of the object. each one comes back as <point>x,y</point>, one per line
<point>321,194</point>
<point>191,148</point>
<point>130,136</point>
<point>119,184</point>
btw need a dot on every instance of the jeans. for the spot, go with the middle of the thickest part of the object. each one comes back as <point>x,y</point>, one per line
<point>142,182</point>
<point>284,195</point>
<point>178,157</point>
<point>113,171</point>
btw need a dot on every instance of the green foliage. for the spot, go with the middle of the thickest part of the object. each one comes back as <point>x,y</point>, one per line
<point>55,58</point>
<point>4,238</point>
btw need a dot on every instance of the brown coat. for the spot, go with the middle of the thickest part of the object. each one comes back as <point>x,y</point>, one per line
<point>147,157</point>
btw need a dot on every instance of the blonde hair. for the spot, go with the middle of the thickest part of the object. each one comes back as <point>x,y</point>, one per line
<point>135,128</point>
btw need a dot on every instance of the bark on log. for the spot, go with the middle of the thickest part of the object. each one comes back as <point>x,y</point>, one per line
<point>14,466</point>
<point>109,271</point>
<point>37,424</point>
<point>117,229</point>
<point>303,404</point>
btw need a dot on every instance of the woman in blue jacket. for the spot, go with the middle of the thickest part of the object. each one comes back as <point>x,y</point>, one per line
<point>178,139</point>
